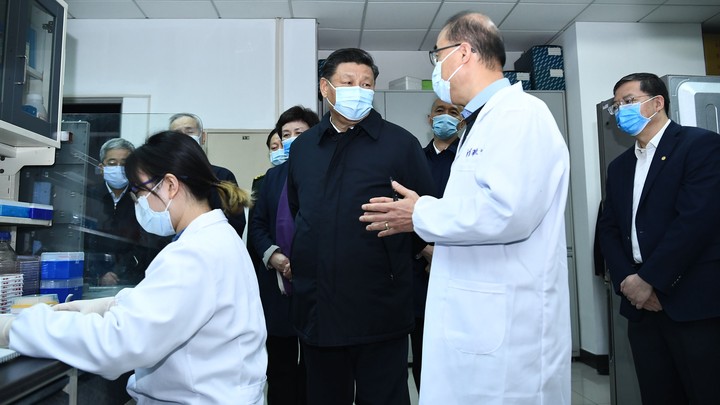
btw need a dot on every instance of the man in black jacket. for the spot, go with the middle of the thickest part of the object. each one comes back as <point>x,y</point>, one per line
<point>352,291</point>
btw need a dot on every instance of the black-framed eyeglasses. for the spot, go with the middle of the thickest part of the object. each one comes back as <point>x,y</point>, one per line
<point>615,107</point>
<point>434,53</point>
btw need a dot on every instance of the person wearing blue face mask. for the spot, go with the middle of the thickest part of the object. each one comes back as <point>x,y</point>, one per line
<point>658,232</point>
<point>270,237</point>
<point>110,211</point>
<point>352,292</point>
<point>497,316</point>
<point>117,249</point>
<point>446,124</point>
<point>192,330</point>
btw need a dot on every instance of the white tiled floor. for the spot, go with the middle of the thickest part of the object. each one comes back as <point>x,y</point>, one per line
<point>588,387</point>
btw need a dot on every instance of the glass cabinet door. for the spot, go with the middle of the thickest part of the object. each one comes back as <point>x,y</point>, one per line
<point>32,56</point>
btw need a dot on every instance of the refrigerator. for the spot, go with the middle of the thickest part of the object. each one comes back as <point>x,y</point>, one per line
<point>694,101</point>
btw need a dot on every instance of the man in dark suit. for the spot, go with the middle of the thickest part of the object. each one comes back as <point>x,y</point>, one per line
<point>191,125</point>
<point>660,235</point>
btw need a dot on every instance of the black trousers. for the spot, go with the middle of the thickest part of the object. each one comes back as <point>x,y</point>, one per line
<point>368,374</point>
<point>676,362</point>
<point>285,373</point>
<point>416,342</point>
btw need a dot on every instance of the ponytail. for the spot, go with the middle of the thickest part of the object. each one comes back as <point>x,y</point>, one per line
<point>233,198</point>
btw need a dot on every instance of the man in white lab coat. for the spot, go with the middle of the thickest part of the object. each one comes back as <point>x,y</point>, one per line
<point>497,326</point>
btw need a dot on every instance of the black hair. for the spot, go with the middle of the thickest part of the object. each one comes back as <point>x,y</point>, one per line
<point>270,136</point>
<point>482,35</point>
<point>649,84</point>
<point>295,113</point>
<point>347,55</point>
<point>172,152</point>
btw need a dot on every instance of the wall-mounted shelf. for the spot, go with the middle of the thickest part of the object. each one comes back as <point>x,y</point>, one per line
<point>24,221</point>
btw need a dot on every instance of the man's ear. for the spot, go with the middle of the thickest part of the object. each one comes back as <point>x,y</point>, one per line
<point>324,87</point>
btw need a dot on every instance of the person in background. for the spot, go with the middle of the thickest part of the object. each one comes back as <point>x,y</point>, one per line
<point>193,329</point>
<point>120,250</point>
<point>275,149</point>
<point>447,124</point>
<point>271,233</point>
<point>352,292</point>
<point>191,125</point>
<point>659,236</point>
<point>497,321</point>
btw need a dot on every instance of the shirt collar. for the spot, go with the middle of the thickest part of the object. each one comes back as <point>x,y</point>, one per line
<point>653,143</point>
<point>430,148</point>
<point>112,193</point>
<point>372,124</point>
<point>481,98</point>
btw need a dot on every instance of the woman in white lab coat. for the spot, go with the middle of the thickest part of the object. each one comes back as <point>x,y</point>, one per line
<point>193,329</point>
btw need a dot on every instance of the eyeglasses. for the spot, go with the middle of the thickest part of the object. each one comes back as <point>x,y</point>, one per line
<point>613,108</point>
<point>136,188</point>
<point>434,53</point>
<point>114,162</point>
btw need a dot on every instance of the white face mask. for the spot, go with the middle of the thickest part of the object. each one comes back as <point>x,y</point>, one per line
<point>442,87</point>
<point>158,223</point>
<point>115,176</point>
<point>353,103</point>
<point>196,138</point>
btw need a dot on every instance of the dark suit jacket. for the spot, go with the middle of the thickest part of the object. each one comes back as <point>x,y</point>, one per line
<point>678,224</point>
<point>236,221</point>
<point>262,234</point>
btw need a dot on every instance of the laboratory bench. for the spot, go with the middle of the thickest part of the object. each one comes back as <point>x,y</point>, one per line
<point>27,380</point>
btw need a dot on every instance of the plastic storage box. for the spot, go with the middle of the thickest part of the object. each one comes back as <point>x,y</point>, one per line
<point>61,265</point>
<point>63,288</point>
<point>61,273</point>
<point>17,209</point>
<point>406,83</point>
<point>546,67</point>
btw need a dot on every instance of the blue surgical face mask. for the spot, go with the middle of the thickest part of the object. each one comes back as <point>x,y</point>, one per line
<point>278,157</point>
<point>158,223</point>
<point>442,87</point>
<point>630,120</point>
<point>353,103</point>
<point>286,145</point>
<point>445,126</point>
<point>115,176</point>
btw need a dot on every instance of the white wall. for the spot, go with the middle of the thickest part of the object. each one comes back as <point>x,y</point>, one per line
<point>224,70</point>
<point>396,64</point>
<point>597,55</point>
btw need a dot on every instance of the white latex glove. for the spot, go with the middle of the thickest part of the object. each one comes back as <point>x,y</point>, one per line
<point>96,306</point>
<point>5,322</point>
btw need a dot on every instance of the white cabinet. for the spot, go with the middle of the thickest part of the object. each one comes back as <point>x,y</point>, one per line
<point>32,40</point>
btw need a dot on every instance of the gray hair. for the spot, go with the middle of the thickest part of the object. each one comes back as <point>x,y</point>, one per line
<point>115,143</point>
<point>198,121</point>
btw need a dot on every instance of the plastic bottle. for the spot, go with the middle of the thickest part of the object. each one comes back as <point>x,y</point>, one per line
<point>7,254</point>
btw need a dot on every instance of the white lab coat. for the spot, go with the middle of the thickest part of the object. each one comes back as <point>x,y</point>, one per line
<point>193,329</point>
<point>497,322</point>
